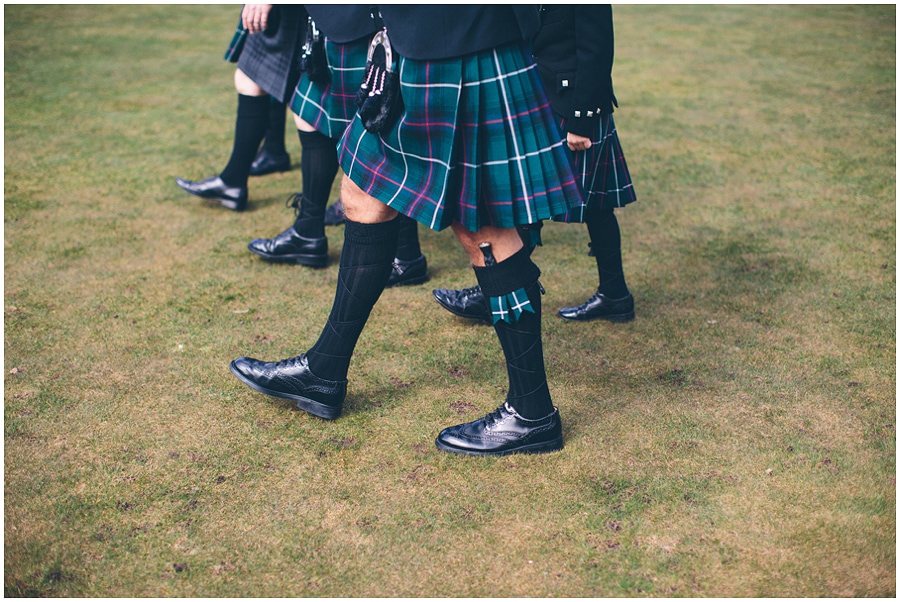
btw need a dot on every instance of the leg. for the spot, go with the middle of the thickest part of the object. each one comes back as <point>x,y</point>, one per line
<point>410,265</point>
<point>251,126</point>
<point>316,380</point>
<point>230,186</point>
<point>305,242</point>
<point>273,156</point>
<point>527,422</point>
<point>606,244</point>
<point>612,301</point>
<point>470,302</point>
<point>319,166</point>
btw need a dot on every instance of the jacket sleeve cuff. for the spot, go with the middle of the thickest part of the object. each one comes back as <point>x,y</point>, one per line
<point>583,125</point>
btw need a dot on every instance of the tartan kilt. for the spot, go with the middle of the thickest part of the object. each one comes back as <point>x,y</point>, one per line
<point>600,171</point>
<point>476,143</point>
<point>330,106</point>
<point>272,58</point>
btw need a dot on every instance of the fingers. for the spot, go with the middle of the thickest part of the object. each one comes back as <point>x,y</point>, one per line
<point>255,18</point>
<point>577,143</point>
<point>580,145</point>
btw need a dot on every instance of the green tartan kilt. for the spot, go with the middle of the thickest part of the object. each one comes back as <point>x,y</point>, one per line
<point>329,107</point>
<point>476,143</point>
<point>600,171</point>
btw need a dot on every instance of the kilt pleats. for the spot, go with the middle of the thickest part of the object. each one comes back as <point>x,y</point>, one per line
<point>329,107</point>
<point>271,58</point>
<point>476,143</point>
<point>601,172</point>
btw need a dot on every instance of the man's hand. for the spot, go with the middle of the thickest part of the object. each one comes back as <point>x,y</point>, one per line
<point>577,143</point>
<point>256,17</point>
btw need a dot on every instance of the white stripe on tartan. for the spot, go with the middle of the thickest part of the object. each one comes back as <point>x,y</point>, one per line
<point>614,167</point>
<point>472,83</point>
<point>502,75</point>
<point>438,85</point>
<point>542,151</point>
<point>590,190</point>
<point>348,70</point>
<point>516,155</point>
<point>331,129</point>
<point>467,164</point>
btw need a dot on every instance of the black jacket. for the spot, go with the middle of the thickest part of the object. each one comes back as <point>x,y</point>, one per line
<point>343,23</point>
<point>574,53</point>
<point>442,31</point>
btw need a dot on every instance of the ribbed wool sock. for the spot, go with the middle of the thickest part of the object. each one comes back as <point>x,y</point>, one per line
<point>521,340</point>
<point>408,239</point>
<point>249,129</point>
<point>274,140</point>
<point>318,167</point>
<point>606,244</point>
<point>364,270</point>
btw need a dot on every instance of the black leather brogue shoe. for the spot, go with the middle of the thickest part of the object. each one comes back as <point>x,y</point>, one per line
<point>264,163</point>
<point>334,215</point>
<point>216,189</point>
<point>601,307</point>
<point>407,273</point>
<point>290,247</point>
<point>292,379</point>
<point>503,432</point>
<point>466,303</point>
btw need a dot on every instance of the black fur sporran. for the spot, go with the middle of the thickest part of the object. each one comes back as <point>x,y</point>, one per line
<point>312,57</point>
<point>378,99</point>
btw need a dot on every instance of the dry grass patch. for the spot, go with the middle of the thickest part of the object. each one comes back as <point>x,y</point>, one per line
<point>737,439</point>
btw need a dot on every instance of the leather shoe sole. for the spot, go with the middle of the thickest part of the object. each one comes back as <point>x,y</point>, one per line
<point>313,261</point>
<point>533,448</point>
<point>501,433</point>
<point>304,403</point>
<point>290,247</point>
<point>215,189</point>
<point>600,307</point>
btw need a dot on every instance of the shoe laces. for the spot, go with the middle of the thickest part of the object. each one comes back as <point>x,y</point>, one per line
<point>293,201</point>
<point>290,362</point>
<point>494,416</point>
<point>471,290</point>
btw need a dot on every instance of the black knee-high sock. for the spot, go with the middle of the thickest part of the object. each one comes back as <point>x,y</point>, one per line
<point>318,166</point>
<point>249,129</point>
<point>274,141</point>
<point>408,239</point>
<point>365,267</point>
<point>521,340</point>
<point>606,244</point>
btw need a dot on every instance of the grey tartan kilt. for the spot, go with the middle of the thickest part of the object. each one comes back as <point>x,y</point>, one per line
<point>272,58</point>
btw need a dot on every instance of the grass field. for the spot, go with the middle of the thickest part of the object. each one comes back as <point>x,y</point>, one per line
<point>737,439</point>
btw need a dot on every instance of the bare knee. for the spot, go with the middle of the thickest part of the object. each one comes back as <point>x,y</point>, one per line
<point>505,242</point>
<point>362,208</point>
<point>303,126</point>
<point>246,86</point>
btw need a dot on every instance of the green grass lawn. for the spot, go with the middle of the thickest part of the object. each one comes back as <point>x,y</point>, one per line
<point>736,439</point>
